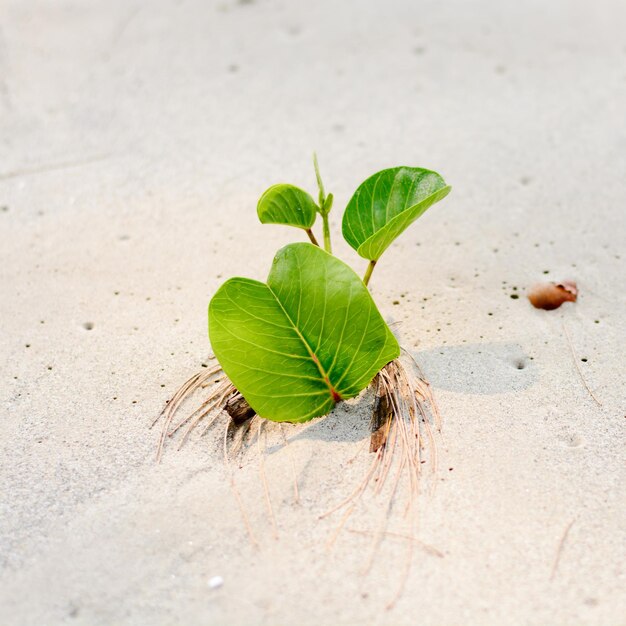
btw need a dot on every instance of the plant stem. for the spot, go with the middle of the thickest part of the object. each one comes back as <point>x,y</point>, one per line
<point>320,184</point>
<point>326,227</point>
<point>324,206</point>
<point>368,272</point>
<point>309,232</point>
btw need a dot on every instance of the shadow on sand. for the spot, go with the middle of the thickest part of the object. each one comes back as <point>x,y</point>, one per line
<point>480,368</point>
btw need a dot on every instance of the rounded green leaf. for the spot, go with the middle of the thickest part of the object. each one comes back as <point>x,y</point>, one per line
<point>307,338</point>
<point>386,204</point>
<point>287,204</point>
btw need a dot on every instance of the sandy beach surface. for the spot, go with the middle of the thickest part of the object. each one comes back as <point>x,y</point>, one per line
<point>135,140</point>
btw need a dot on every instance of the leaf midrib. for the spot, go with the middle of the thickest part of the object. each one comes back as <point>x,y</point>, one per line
<point>325,378</point>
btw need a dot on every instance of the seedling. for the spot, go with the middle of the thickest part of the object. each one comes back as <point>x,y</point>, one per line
<point>311,335</point>
<point>292,347</point>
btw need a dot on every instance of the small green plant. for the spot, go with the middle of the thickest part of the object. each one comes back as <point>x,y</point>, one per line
<point>288,349</point>
<point>312,335</point>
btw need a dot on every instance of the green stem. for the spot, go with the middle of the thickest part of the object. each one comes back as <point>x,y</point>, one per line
<point>327,245</point>
<point>368,272</point>
<point>309,232</point>
<point>325,205</point>
<point>320,184</point>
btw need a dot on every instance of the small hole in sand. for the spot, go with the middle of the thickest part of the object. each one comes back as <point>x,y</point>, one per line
<point>88,325</point>
<point>584,360</point>
<point>573,441</point>
<point>520,364</point>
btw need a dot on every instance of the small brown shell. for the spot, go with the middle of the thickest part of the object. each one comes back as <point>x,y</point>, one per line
<point>549,296</point>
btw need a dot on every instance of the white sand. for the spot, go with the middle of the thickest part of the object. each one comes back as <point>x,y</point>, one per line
<point>135,140</point>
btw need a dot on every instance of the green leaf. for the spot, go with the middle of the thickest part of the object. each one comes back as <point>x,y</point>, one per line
<point>287,204</point>
<point>308,338</point>
<point>386,204</point>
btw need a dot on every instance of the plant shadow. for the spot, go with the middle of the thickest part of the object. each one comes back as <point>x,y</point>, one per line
<point>347,422</point>
<point>479,368</point>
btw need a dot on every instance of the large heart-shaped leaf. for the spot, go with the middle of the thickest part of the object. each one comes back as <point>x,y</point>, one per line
<point>308,338</point>
<point>386,204</point>
<point>287,204</point>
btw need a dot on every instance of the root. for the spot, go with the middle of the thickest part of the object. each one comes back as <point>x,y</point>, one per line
<point>580,372</point>
<point>559,550</point>
<point>264,483</point>
<point>296,491</point>
<point>427,548</point>
<point>403,410</point>
<point>404,425</point>
<point>233,487</point>
<point>222,399</point>
<point>405,418</point>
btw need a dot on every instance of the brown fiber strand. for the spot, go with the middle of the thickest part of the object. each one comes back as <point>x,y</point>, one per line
<point>559,550</point>
<point>266,489</point>
<point>233,486</point>
<point>296,492</point>
<point>342,521</point>
<point>168,413</point>
<point>171,408</point>
<point>241,433</point>
<point>201,409</point>
<point>428,394</point>
<point>387,457</point>
<point>357,491</point>
<point>575,358</point>
<point>404,577</point>
<point>426,547</point>
<point>219,408</point>
<point>385,519</point>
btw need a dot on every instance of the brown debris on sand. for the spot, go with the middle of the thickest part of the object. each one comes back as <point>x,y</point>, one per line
<point>550,296</point>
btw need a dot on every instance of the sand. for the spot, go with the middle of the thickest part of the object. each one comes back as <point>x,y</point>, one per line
<point>135,141</point>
